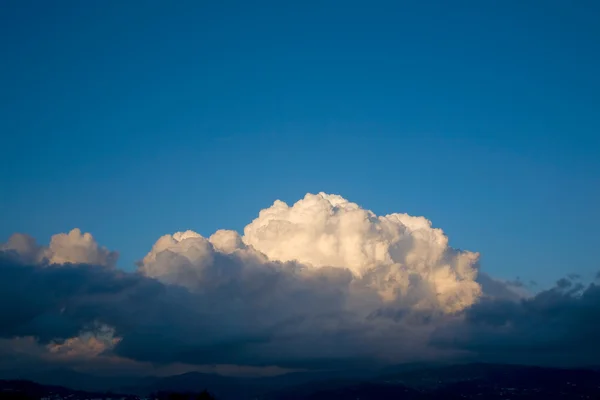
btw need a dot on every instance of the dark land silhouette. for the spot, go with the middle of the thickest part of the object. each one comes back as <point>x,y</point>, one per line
<point>468,381</point>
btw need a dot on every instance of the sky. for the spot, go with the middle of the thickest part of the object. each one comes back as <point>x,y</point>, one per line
<point>133,120</point>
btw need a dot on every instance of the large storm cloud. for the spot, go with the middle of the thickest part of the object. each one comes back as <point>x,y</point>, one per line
<point>318,284</point>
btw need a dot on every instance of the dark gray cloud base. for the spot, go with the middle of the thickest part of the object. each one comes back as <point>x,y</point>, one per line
<point>303,326</point>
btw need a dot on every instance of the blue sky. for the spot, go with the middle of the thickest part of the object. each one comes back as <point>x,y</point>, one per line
<point>131,120</point>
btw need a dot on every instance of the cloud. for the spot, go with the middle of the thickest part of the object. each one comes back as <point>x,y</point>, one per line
<point>73,247</point>
<point>395,252</point>
<point>557,326</point>
<point>87,344</point>
<point>498,289</point>
<point>23,247</point>
<point>323,283</point>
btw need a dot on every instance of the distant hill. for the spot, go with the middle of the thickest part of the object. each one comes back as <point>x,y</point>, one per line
<point>416,382</point>
<point>27,390</point>
<point>72,379</point>
<point>468,381</point>
<point>428,378</point>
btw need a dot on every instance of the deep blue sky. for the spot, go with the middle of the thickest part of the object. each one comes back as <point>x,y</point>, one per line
<point>135,119</point>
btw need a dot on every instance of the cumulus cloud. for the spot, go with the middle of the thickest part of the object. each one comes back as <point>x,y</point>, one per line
<point>73,247</point>
<point>395,252</point>
<point>317,284</point>
<point>78,248</point>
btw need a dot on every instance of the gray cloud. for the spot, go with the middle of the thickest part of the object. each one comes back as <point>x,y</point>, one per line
<point>555,327</point>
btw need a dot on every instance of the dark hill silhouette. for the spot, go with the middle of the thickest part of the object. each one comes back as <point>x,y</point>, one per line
<point>468,381</point>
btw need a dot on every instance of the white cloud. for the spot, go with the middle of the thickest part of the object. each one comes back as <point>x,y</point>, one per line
<point>74,247</point>
<point>393,251</point>
<point>227,241</point>
<point>400,256</point>
<point>172,255</point>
